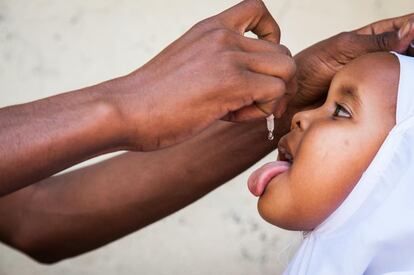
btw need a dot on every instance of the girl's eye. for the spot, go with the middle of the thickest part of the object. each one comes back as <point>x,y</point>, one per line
<point>341,112</point>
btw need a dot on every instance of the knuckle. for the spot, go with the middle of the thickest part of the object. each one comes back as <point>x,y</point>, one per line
<point>229,58</point>
<point>200,25</point>
<point>382,42</point>
<point>231,77</point>
<point>291,67</point>
<point>288,66</point>
<point>283,49</point>
<point>279,87</point>
<point>239,80</point>
<point>272,47</point>
<point>344,38</point>
<point>220,36</point>
<point>204,24</point>
<point>256,5</point>
<point>273,90</point>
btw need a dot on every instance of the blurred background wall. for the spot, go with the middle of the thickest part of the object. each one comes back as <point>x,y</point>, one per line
<point>48,47</point>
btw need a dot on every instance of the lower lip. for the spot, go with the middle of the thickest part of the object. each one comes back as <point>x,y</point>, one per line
<point>260,178</point>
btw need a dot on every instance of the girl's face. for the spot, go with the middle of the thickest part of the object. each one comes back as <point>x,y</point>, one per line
<point>330,147</point>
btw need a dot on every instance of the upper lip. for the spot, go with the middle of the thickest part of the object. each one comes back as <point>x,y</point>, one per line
<point>284,151</point>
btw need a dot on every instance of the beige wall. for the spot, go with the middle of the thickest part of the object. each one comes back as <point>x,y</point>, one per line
<point>47,47</point>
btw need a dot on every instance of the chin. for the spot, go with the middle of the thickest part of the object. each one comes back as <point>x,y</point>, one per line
<point>285,218</point>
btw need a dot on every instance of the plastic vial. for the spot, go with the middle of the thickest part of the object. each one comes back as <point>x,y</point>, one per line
<point>270,121</point>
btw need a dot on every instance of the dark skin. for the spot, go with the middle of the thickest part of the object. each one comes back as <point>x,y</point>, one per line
<point>66,215</point>
<point>69,214</point>
<point>318,64</point>
<point>210,73</point>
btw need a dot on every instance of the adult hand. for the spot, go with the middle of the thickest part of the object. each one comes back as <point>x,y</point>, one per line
<point>318,63</point>
<point>211,72</point>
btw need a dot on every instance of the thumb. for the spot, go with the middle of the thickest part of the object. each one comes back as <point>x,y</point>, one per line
<point>407,36</point>
<point>252,15</point>
<point>398,40</point>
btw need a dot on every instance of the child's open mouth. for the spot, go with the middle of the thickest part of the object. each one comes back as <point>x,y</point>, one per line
<point>260,178</point>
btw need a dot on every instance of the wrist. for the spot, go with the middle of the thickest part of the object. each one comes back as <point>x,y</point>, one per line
<point>109,110</point>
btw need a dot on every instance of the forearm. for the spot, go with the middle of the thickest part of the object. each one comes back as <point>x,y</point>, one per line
<point>41,138</point>
<point>72,213</point>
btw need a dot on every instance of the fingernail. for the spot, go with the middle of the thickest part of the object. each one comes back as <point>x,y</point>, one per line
<point>278,115</point>
<point>405,29</point>
<point>410,50</point>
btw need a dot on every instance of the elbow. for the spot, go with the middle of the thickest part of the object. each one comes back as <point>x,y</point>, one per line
<point>37,249</point>
<point>43,258</point>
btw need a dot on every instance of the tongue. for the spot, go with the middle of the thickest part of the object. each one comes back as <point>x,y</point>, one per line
<point>261,177</point>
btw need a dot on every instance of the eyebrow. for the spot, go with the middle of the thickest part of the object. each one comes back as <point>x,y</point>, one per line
<point>350,92</point>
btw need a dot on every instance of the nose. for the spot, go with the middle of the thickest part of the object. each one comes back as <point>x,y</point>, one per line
<point>301,120</point>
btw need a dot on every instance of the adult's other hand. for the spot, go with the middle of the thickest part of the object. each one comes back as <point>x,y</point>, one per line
<point>318,63</point>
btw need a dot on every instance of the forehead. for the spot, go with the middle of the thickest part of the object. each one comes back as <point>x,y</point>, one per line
<point>372,77</point>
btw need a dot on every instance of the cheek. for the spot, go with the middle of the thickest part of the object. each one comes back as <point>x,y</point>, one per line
<point>329,162</point>
<point>330,158</point>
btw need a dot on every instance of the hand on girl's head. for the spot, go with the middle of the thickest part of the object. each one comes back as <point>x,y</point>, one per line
<point>332,145</point>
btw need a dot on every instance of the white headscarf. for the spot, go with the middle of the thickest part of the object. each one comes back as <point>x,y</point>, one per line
<point>372,232</point>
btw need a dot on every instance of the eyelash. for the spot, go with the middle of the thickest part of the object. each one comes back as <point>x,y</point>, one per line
<point>340,109</point>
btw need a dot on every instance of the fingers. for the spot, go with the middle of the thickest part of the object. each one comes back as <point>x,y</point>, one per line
<point>387,25</point>
<point>273,64</point>
<point>261,110</point>
<point>271,60</point>
<point>251,15</point>
<point>394,34</point>
<point>410,51</point>
<point>271,71</point>
<point>270,95</point>
<point>397,40</point>
<point>245,114</point>
<point>406,37</point>
<point>279,106</point>
<point>269,66</point>
<point>256,45</point>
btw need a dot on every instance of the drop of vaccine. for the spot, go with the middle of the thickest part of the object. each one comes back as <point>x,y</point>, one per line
<point>270,136</point>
